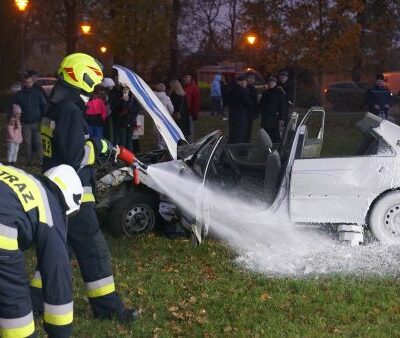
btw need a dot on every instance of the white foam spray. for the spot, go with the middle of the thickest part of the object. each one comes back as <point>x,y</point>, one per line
<point>268,242</point>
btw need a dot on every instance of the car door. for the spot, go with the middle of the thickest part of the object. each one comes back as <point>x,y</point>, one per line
<point>313,136</point>
<point>203,217</point>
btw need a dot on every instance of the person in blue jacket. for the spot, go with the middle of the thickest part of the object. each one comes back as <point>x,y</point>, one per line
<point>379,98</point>
<point>66,141</point>
<point>216,96</point>
<point>32,212</point>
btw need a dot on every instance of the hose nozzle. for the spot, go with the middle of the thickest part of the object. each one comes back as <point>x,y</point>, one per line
<point>130,159</point>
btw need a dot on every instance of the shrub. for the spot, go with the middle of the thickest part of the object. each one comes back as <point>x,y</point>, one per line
<point>347,100</point>
<point>5,101</point>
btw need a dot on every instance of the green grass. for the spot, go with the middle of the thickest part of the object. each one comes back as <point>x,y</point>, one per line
<point>199,292</point>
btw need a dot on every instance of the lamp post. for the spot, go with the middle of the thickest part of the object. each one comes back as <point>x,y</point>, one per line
<point>22,7</point>
<point>251,40</point>
<point>103,49</point>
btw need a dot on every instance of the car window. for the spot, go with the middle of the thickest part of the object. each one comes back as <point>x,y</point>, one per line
<point>343,85</point>
<point>45,82</point>
<point>364,85</point>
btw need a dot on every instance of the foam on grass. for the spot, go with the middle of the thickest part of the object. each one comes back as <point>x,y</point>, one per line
<point>267,242</point>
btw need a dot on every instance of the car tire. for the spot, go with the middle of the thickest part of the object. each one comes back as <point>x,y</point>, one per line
<point>384,219</point>
<point>134,214</point>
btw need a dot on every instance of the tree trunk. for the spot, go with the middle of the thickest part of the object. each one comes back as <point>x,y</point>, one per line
<point>174,46</point>
<point>71,29</point>
<point>233,18</point>
<point>320,49</point>
<point>358,55</point>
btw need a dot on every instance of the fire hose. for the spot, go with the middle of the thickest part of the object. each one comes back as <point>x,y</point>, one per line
<point>129,158</point>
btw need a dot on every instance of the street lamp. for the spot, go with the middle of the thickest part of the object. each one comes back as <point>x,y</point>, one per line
<point>86,28</point>
<point>251,39</point>
<point>103,49</point>
<point>21,4</point>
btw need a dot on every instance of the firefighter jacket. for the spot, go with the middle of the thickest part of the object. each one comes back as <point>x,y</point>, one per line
<point>30,214</point>
<point>65,137</point>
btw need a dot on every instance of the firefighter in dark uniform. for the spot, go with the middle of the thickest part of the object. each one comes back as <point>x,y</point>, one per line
<point>251,79</point>
<point>288,90</point>
<point>32,211</point>
<point>65,141</point>
<point>272,109</point>
<point>379,98</point>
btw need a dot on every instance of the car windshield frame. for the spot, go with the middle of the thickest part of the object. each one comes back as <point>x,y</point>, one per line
<point>208,143</point>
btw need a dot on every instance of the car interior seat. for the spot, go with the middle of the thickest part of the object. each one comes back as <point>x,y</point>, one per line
<point>272,176</point>
<point>263,140</point>
<point>264,189</point>
<point>272,172</point>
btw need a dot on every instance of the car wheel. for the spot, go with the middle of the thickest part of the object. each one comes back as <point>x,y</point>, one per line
<point>384,219</point>
<point>134,214</point>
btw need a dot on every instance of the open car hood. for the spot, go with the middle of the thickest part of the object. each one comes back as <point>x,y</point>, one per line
<point>165,124</point>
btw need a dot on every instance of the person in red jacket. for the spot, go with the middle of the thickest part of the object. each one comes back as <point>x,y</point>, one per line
<point>193,100</point>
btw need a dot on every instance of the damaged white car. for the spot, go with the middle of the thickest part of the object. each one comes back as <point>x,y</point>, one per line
<point>348,192</point>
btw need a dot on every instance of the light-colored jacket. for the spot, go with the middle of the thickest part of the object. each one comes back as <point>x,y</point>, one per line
<point>14,131</point>
<point>166,101</point>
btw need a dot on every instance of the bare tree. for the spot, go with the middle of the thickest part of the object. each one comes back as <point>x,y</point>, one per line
<point>61,18</point>
<point>205,18</point>
<point>234,7</point>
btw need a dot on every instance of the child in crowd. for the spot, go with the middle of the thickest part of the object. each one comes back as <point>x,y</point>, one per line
<point>159,90</point>
<point>96,113</point>
<point>14,134</point>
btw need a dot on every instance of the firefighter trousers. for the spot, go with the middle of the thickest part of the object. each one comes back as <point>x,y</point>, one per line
<point>16,318</point>
<point>91,251</point>
<point>94,259</point>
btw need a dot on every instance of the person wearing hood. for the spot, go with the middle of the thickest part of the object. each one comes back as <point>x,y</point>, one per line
<point>66,141</point>
<point>33,104</point>
<point>216,96</point>
<point>159,90</point>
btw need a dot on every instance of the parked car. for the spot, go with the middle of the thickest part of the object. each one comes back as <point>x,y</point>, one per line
<point>47,83</point>
<point>347,96</point>
<point>361,190</point>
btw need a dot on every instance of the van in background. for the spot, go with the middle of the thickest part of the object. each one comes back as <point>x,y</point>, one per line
<point>392,80</point>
